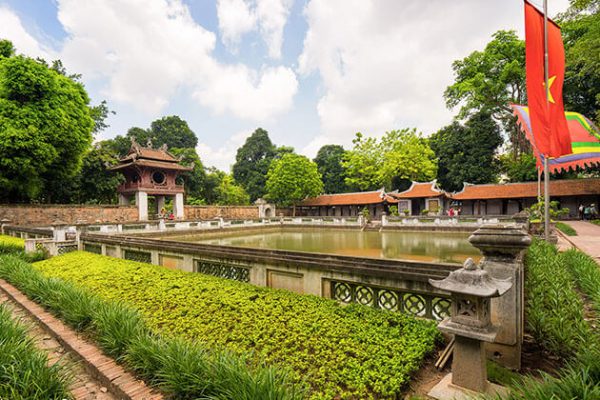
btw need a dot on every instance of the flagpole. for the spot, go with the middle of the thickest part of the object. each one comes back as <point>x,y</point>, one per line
<point>546,172</point>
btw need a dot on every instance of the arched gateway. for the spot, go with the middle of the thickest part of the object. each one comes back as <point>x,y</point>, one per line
<point>151,172</point>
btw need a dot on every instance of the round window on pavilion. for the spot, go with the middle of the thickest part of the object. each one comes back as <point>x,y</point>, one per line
<point>159,178</point>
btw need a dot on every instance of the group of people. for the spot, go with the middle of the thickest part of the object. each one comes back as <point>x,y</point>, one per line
<point>166,215</point>
<point>588,212</point>
<point>453,212</point>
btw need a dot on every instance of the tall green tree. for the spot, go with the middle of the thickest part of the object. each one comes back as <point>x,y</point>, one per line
<point>172,131</point>
<point>329,163</point>
<point>520,169</point>
<point>467,153</point>
<point>580,27</point>
<point>229,193</point>
<point>45,127</point>
<point>252,163</point>
<point>490,80</point>
<point>399,155</point>
<point>95,183</point>
<point>195,180</point>
<point>292,178</point>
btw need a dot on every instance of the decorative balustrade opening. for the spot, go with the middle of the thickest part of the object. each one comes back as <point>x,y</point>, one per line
<point>92,248</point>
<point>140,256</point>
<point>417,304</point>
<point>223,270</point>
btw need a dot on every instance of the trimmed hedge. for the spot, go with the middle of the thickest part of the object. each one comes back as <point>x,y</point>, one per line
<point>566,229</point>
<point>349,352</point>
<point>181,369</point>
<point>24,370</point>
<point>11,245</point>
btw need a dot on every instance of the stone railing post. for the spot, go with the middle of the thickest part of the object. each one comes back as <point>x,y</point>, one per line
<point>59,231</point>
<point>4,222</point>
<point>503,247</point>
<point>384,219</point>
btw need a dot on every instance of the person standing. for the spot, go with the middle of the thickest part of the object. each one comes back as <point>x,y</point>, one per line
<point>580,209</point>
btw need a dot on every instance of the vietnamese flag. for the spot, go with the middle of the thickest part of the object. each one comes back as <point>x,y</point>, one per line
<point>548,122</point>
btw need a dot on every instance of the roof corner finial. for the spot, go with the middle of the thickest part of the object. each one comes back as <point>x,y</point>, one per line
<point>149,143</point>
<point>164,147</point>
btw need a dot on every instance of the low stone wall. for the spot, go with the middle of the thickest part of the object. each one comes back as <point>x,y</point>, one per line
<point>225,212</point>
<point>45,214</point>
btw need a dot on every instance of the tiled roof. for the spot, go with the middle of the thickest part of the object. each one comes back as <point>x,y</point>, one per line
<point>419,190</point>
<point>343,199</point>
<point>152,164</point>
<point>572,187</point>
<point>152,154</point>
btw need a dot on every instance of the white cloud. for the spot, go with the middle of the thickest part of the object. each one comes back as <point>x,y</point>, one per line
<point>224,156</point>
<point>387,65</point>
<point>238,17</point>
<point>235,19</point>
<point>12,29</point>
<point>272,16</point>
<point>149,50</point>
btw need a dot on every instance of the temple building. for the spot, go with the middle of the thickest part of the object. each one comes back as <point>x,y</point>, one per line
<point>347,204</point>
<point>427,197</point>
<point>510,198</point>
<point>151,172</point>
<point>421,196</point>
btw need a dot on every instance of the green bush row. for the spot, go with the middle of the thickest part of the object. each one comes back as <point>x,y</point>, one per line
<point>16,246</point>
<point>346,352</point>
<point>554,310</point>
<point>24,373</point>
<point>566,229</point>
<point>555,317</point>
<point>181,369</point>
<point>586,273</point>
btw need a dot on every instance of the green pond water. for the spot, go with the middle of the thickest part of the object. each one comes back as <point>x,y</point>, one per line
<point>418,246</point>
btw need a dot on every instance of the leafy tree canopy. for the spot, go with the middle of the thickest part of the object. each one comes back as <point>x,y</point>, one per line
<point>521,169</point>
<point>580,27</point>
<point>466,153</point>
<point>292,178</point>
<point>45,127</point>
<point>195,179</point>
<point>329,163</point>
<point>252,163</point>
<point>490,80</point>
<point>230,193</point>
<point>95,184</point>
<point>399,155</point>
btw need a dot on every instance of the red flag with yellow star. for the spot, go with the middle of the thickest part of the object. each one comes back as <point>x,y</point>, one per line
<point>548,122</point>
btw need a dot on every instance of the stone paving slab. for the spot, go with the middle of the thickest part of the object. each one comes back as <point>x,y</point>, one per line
<point>112,376</point>
<point>587,239</point>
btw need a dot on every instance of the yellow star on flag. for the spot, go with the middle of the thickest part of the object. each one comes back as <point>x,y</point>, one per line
<point>550,82</point>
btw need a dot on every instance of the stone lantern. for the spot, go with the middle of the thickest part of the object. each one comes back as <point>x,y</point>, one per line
<point>471,289</point>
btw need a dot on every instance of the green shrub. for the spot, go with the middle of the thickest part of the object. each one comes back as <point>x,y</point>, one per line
<point>24,373</point>
<point>554,309</point>
<point>11,245</point>
<point>351,352</point>
<point>566,229</point>
<point>122,333</point>
<point>586,273</point>
<point>555,314</point>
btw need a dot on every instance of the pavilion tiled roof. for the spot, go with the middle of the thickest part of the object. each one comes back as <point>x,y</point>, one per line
<point>153,164</point>
<point>345,199</point>
<point>151,154</point>
<point>420,190</point>
<point>574,187</point>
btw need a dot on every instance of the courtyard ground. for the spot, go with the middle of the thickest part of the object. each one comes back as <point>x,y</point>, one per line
<point>587,239</point>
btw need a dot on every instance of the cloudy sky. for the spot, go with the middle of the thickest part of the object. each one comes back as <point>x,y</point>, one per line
<point>311,72</point>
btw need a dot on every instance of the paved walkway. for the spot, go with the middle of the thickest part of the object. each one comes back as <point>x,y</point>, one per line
<point>587,239</point>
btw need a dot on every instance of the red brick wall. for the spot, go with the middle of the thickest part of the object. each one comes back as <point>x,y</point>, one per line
<point>227,212</point>
<point>45,214</point>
